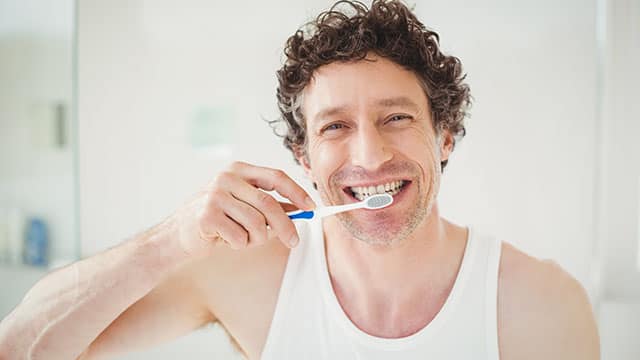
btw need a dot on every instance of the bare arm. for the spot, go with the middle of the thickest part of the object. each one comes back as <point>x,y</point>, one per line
<point>173,308</point>
<point>141,293</point>
<point>65,311</point>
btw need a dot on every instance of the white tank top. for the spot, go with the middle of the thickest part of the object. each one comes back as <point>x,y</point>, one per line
<point>309,323</point>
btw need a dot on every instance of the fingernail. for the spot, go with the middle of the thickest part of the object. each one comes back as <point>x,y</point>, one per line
<point>309,202</point>
<point>294,240</point>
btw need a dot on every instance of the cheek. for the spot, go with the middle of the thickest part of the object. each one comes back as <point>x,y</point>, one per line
<point>417,145</point>
<point>326,158</point>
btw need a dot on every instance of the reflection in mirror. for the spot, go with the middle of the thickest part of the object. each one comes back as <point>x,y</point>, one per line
<point>37,179</point>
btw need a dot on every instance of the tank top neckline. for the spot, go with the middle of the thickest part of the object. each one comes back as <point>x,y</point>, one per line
<point>338,314</point>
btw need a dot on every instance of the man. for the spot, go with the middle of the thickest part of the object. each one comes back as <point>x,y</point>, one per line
<point>371,106</point>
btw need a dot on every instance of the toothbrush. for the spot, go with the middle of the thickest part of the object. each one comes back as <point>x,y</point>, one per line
<point>373,202</point>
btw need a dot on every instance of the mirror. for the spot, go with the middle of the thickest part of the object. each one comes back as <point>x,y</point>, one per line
<point>38,217</point>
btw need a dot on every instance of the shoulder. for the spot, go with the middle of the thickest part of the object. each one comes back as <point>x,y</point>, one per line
<point>240,290</point>
<point>543,312</point>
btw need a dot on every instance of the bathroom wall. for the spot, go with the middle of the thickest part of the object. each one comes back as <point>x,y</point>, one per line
<point>621,152</point>
<point>150,72</point>
<point>619,216</point>
<point>148,69</point>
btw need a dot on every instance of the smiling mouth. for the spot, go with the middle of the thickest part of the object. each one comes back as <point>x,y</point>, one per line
<point>362,192</point>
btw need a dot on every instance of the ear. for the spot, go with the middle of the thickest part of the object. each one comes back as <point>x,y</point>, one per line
<point>446,145</point>
<point>303,159</point>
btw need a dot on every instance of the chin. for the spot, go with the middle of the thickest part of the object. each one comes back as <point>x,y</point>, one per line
<point>387,231</point>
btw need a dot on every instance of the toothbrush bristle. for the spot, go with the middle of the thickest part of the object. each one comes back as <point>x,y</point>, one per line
<point>378,201</point>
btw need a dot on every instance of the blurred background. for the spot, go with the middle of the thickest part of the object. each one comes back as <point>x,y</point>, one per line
<point>112,113</point>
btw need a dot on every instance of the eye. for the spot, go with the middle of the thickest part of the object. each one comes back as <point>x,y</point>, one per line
<point>396,118</point>
<point>331,127</point>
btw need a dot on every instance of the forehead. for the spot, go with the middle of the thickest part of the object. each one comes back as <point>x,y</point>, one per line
<point>361,85</point>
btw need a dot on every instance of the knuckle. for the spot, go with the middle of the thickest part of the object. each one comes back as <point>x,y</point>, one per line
<point>266,200</point>
<point>208,222</point>
<point>279,175</point>
<point>207,227</point>
<point>214,199</point>
<point>237,166</point>
<point>221,179</point>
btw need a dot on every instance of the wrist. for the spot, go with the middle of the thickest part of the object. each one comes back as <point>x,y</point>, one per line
<point>160,246</point>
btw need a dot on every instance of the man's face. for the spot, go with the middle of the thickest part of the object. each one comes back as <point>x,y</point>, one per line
<point>369,131</point>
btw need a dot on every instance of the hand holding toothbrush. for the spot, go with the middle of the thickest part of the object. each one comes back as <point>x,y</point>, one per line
<point>237,211</point>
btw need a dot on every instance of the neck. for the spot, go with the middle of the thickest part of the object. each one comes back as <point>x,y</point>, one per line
<point>383,288</point>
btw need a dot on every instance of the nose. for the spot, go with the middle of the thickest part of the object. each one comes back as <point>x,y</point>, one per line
<point>370,149</point>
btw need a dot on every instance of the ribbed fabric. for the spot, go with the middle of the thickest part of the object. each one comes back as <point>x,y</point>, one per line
<point>309,323</point>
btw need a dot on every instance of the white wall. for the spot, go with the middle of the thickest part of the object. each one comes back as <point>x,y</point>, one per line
<point>618,246</point>
<point>525,172</point>
<point>621,153</point>
<point>146,69</point>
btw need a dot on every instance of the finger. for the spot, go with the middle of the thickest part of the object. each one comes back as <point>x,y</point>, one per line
<point>215,224</point>
<point>245,215</point>
<point>287,207</point>
<point>233,234</point>
<point>273,179</point>
<point>273,213</point>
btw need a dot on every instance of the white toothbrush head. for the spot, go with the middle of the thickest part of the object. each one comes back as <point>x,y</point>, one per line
<point>377,201</point>
<point>373,202</point>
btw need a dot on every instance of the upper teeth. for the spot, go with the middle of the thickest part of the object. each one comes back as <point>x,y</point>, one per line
<point>362,192</point>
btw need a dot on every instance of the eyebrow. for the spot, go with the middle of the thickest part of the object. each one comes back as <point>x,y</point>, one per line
<point>400,101</point>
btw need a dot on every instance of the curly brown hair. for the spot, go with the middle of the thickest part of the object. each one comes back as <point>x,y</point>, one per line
<point>390,30</point>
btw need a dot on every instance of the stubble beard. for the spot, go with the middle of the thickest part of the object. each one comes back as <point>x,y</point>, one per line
<point>414,216</point>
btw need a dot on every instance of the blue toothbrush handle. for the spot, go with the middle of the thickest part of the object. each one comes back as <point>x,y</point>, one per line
<point>302,215</point>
